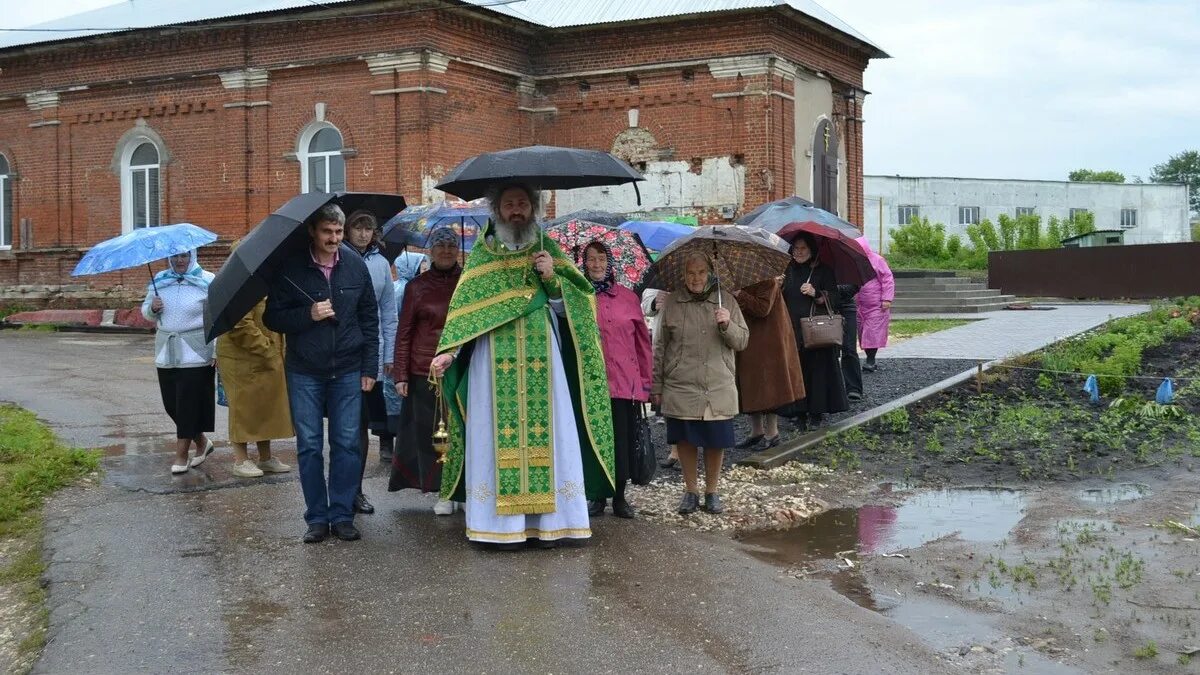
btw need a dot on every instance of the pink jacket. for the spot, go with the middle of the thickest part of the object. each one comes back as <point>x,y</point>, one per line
<point>628,357</point>
<point>873,319</point>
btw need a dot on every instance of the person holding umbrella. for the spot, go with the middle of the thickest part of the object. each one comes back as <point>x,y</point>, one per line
<point>768,370</point>
<point>322,301</point>
<point>695,375</point>
<point>809,286</point>
<point>175,301</point>
<point>426,301</point>
<point>628,360</point>
<point>362,233</point>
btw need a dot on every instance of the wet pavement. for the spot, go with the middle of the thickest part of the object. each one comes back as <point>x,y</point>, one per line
<point>149,573</point>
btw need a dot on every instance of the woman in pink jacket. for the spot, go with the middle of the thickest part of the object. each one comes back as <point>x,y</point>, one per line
<point>874,302</point>
<point>628,359</point>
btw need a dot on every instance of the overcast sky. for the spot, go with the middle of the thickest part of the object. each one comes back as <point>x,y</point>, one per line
<point>997,88</point>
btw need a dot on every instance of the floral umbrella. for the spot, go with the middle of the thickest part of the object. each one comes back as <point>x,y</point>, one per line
<point>630,257</point>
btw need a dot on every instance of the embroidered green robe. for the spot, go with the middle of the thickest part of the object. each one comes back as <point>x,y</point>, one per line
<point>500,294</point>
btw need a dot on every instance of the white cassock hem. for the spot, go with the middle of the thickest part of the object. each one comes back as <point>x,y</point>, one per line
<point>569,520</point>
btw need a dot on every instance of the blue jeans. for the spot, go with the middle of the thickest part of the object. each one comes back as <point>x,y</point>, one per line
<point>310,398</point>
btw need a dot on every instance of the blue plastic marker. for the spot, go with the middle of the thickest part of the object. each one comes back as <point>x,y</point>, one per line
<point>1166,392</point>
<point>1092,387</point>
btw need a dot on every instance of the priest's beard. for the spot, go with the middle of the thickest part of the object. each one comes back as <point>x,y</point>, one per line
<point>516,235</point>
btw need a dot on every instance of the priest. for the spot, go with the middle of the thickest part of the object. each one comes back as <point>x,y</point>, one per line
<point>531,437</point>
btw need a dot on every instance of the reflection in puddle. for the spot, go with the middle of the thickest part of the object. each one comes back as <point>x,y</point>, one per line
<point>975,514</point>
<point>1113,494</point>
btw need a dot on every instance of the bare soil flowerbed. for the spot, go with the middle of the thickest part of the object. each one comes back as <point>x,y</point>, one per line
<point>1031,424</point>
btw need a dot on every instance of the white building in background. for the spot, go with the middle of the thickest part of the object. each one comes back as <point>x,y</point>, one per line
<point>1150,213</point>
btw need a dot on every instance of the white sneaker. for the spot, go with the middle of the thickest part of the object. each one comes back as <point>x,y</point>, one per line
<point>273,465</point>
<point>245,469</point>
<point>444,507</point>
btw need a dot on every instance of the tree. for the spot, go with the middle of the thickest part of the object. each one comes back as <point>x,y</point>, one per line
<point>1096,176</point>
<point>1181,168</point>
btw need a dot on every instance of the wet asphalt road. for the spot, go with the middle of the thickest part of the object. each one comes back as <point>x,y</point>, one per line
<point>153,574</point>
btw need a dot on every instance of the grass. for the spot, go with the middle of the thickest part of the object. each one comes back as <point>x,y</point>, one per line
<point>33,464</point>
<point>8,310</point>
<point>1146,651</point>
<point>902,329</point>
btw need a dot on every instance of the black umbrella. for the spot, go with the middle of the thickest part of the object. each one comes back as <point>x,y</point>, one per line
<point>589,215</point>
<point>250,270</point>
<point>786,201</point>
<point>544,167</point>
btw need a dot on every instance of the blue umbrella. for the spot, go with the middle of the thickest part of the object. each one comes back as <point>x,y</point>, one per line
<point>657,234</point>
<point>413,225</point>
<point>142,247</point>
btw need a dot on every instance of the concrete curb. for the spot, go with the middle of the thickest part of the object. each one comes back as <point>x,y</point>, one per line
<point>784,453</point>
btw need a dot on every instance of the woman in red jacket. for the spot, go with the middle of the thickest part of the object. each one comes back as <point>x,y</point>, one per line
<point>426,301</point>
<point>628,359</point>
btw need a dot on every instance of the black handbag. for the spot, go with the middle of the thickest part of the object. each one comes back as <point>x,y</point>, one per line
<point>644,463</point>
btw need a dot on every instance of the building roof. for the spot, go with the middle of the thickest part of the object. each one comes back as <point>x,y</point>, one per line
<point>1093,232</point>
<point>138,14</point>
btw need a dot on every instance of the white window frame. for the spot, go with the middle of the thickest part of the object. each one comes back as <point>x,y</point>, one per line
<point>1071,213</point>
<point>1025,211</point>
<point>911,209</point>
<point>965,213</point>
<point>1129,219</point>
<point>130,173</point>
<point>304,155</point>
<point>5,215</point>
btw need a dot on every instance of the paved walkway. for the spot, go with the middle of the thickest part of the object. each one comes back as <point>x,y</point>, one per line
<point>1005,333</point>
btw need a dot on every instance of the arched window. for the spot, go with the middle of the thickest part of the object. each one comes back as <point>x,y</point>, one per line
<point>322,165</point>
<point>6,209</point>
<point>140,193</point>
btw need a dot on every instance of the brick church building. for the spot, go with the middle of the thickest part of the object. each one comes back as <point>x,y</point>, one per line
<point>157,111</point>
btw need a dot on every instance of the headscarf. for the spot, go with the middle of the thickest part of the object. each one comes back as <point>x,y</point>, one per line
<point>709,285</point>
<point>442,235</point>
<point>610,274</point>
<point>195,275</point>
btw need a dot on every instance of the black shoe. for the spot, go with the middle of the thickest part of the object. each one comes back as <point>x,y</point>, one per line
<point>712,503</point>
<point>508,547</point>
<point>772,442</point>
<point>361,505</point>
<point>623,509</point>
<point>671,463</point>
<point>542,543</point>
<point>596,507</point>
<point>385,449</point>
<point>317,533</point>
<point>749,442</point>
<point>346,531</point>
<point>869,367</point>
<point>854,396</point>
<point>689,504</point>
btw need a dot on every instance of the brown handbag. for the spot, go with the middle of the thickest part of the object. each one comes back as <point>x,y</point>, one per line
<point>821,331</point>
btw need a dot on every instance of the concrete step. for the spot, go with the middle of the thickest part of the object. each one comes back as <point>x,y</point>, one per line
<point>966,309</point>
<point>934,281</point>
<point>903,300</point>
<point>965,294</point>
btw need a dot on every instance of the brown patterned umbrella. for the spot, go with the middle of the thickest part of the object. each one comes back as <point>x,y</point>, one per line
<point>741,256</point>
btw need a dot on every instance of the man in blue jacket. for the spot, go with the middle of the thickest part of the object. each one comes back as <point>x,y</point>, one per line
<point>324,303</point>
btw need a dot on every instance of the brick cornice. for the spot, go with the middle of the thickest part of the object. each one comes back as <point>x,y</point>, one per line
<point>406,62</point>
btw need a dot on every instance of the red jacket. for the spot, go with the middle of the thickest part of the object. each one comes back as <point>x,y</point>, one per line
<point>625,338</point>
<point>426,301</point>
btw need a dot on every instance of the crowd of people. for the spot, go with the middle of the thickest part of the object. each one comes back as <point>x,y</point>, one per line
<point>541,366</point>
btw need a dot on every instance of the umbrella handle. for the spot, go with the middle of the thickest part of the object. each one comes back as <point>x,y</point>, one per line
<point>153,284</point>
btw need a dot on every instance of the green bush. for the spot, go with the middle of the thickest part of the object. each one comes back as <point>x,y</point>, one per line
<point>919,239</point>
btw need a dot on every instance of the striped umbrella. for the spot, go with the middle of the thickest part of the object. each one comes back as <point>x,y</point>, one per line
<point>741,257</point>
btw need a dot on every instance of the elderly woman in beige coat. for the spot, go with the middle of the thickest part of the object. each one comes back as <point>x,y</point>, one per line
<point>250,360</point>
<point>695,376</point>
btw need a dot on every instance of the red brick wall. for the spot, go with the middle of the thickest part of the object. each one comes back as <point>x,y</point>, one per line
<point>228,166</point>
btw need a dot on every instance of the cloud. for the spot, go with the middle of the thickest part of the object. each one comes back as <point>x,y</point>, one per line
<point>1024,89</point>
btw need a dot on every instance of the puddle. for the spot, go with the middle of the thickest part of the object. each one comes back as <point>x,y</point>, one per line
<point>1113,494</point>
<point>982,515</point>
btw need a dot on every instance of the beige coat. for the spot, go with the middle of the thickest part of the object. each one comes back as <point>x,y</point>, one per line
<point>694,362</point>
<point>250,359</point>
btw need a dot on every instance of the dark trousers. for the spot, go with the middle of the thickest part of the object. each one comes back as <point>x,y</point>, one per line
<point>851,367</point>
<point>340,397</point>
<point>624,416</point>
<point>374,417</point>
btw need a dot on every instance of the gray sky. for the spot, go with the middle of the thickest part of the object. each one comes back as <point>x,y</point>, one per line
<point>998,88</point>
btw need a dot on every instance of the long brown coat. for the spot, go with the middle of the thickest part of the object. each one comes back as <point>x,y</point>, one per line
<point>250,358</point>
<point>768,370</point>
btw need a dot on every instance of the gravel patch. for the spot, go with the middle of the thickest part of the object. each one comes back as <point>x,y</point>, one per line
<point>894,379</point>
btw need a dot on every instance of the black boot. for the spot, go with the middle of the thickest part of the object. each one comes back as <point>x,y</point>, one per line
<point>386,447</point>
<point>361,505</point>
<point>596,507</point>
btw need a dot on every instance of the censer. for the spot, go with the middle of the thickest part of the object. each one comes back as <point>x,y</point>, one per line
<point>441,437</point>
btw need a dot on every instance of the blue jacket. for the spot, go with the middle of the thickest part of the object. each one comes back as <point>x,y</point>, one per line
<point>385,298</point>
<point>347,343</point>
